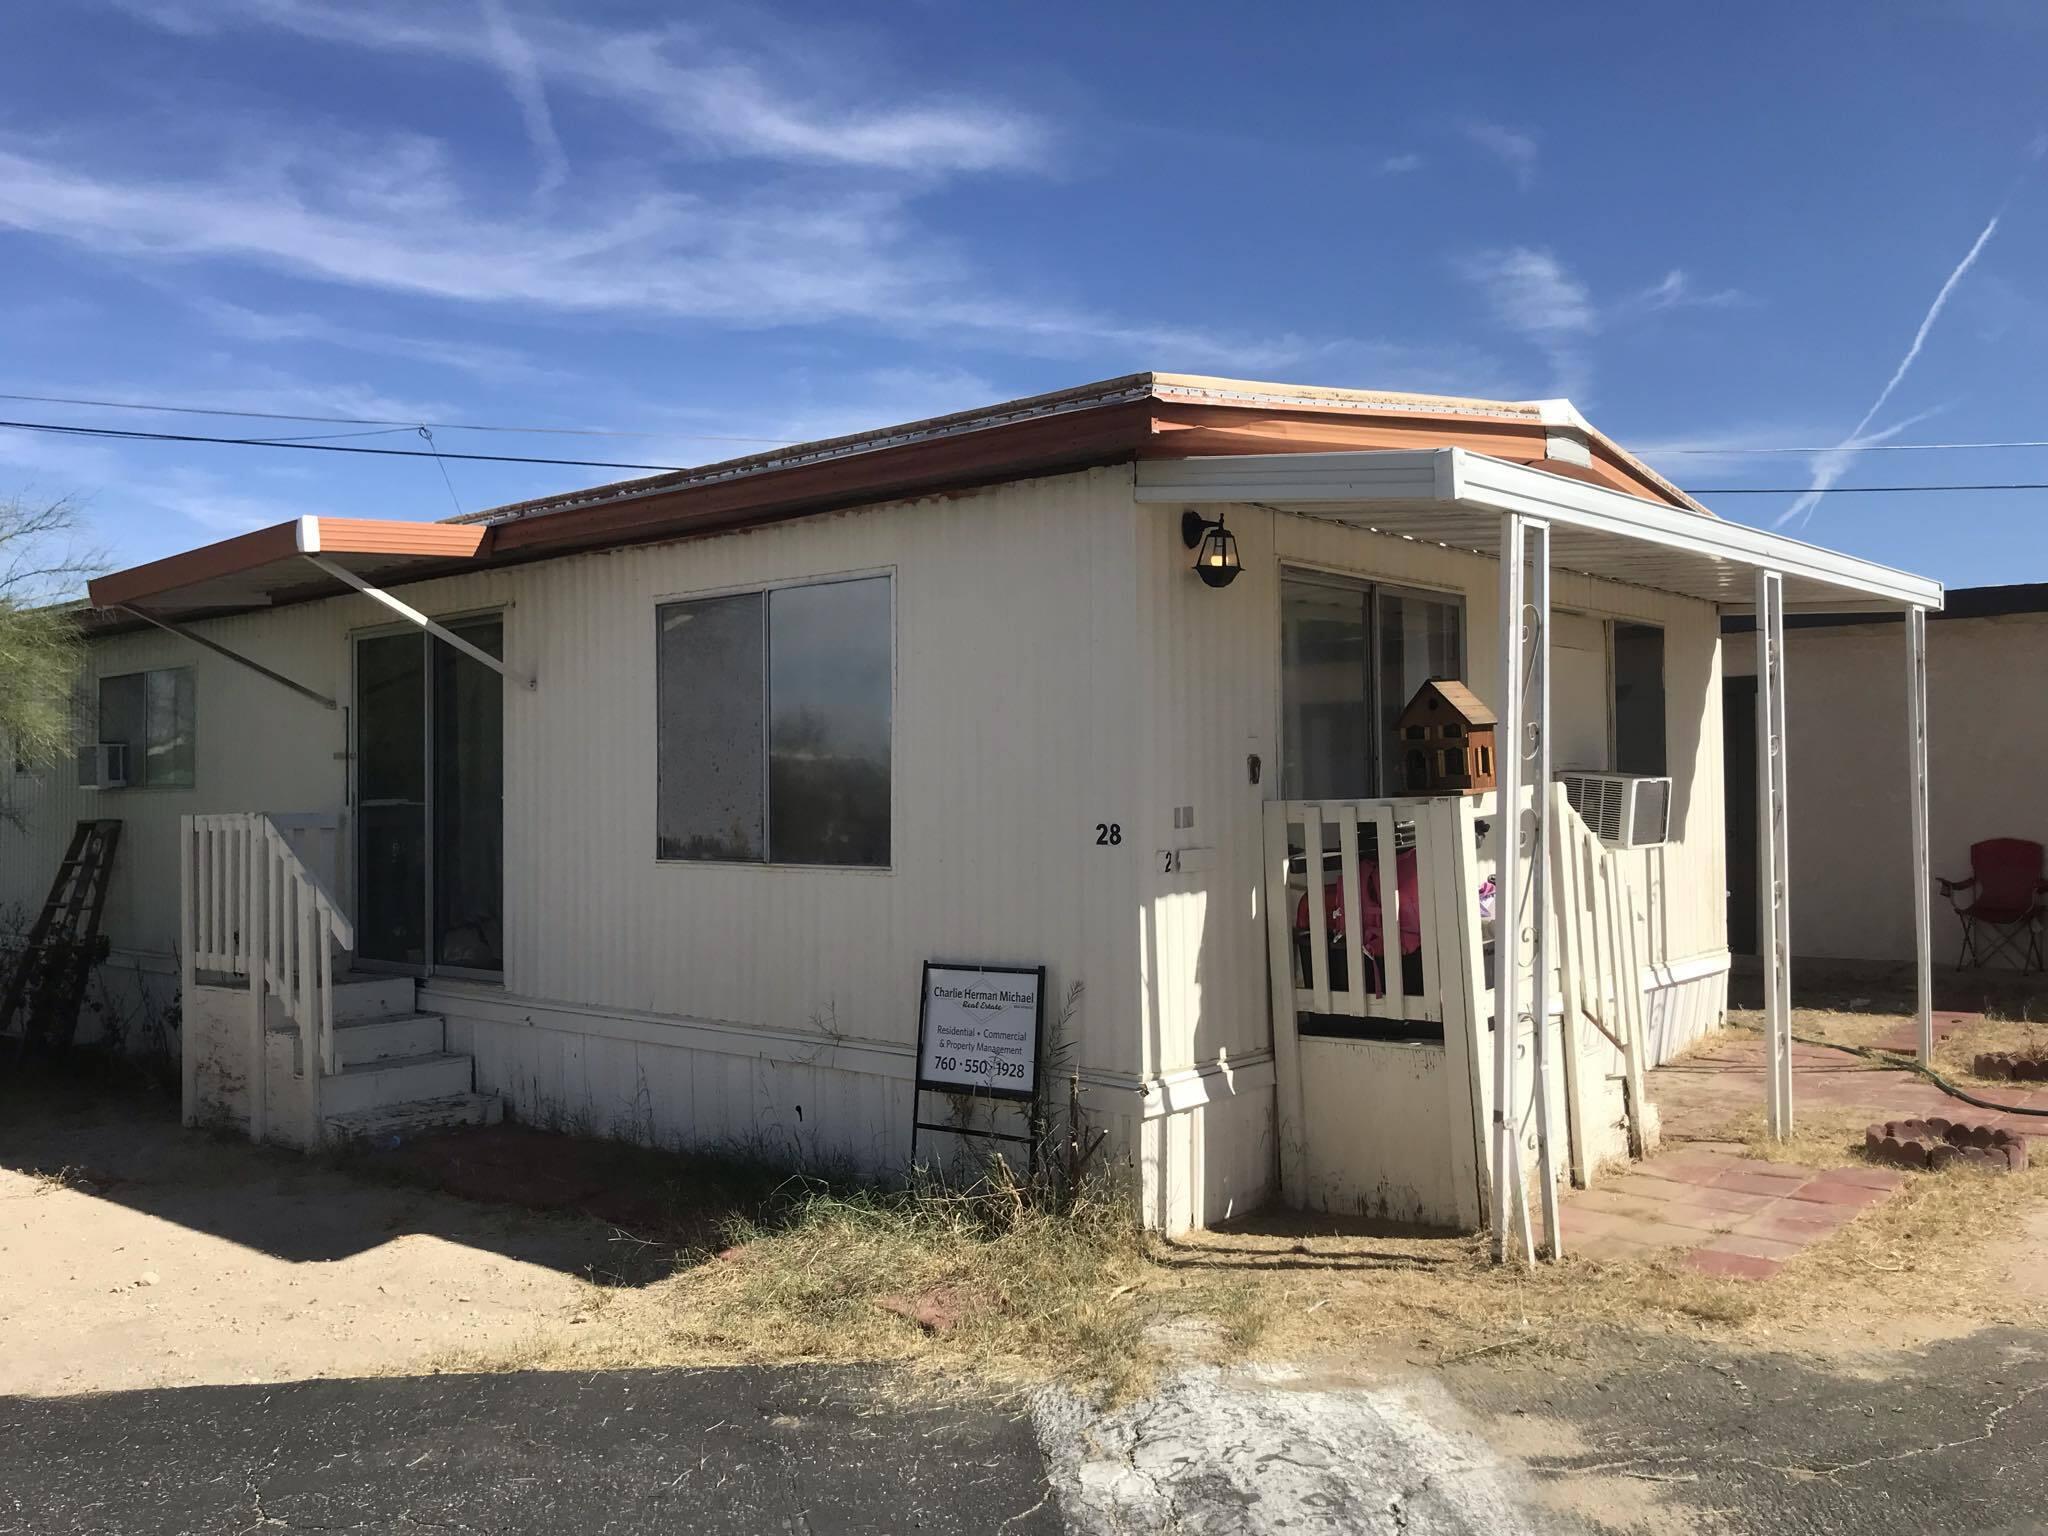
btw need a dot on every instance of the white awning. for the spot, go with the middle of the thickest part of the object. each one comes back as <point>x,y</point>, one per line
<point>1455,498</point>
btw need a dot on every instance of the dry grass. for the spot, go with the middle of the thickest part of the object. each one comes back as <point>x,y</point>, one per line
<point>1088,1297</point>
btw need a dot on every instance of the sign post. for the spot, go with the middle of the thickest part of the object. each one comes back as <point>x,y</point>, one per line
<point>979,1028</point>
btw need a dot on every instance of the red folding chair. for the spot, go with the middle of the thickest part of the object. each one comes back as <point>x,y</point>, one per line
<point>2005,910</point>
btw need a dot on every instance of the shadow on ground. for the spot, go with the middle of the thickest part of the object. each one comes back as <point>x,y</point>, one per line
<point>617,1214</point>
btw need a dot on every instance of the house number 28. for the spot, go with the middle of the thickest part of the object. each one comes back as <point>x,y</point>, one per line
<point>1108,834</point>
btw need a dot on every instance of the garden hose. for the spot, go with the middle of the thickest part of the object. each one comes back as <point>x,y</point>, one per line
<point>1907,1064</point>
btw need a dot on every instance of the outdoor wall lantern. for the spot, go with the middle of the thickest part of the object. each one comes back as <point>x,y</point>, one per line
<point>1216,559</point>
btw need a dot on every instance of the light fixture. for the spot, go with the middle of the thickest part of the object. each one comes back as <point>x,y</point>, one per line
<point>1216,559</point>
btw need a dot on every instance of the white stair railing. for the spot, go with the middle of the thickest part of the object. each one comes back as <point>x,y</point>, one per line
<point>252,907</point>
<point>1597,912</point>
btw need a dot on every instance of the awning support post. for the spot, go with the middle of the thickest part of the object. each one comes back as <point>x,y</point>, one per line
<point>1538,538</point>
<point>1923,879</point>
<point>1510,1197</point>
<point>412,615</point>
<point>183,633</point>
<point>1774,851</point>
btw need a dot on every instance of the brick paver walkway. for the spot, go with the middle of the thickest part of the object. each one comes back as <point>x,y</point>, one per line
<point>1733,1215</point>
<point>1729,1214</point>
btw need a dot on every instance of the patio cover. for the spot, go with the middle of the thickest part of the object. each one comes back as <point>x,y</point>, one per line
<point>1537,520</point>
<point>1454,497</point>
<point>270,566</point>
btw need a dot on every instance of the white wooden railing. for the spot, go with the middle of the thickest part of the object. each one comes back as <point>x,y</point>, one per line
<point>1601,943</point>
<point>254,907</point>
<point>1373,839</point>
<point>1322,862</point>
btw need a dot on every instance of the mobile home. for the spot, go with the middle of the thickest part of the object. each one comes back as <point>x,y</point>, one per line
<point>648,806</point>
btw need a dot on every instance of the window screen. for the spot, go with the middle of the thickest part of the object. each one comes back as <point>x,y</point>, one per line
<point>711,794</point>
<point>774,725</point>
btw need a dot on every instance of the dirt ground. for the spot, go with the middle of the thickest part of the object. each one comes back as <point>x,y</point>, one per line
<point>136,1254</point>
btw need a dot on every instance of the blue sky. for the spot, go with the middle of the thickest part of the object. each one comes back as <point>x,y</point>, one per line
<point>1711,227</point>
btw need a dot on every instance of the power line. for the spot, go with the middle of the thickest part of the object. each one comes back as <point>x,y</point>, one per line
<point>376,421</point>
<point>122,434</point>
<point>1859,447</point>
<point>125,434</point>
<point>1863,490</point>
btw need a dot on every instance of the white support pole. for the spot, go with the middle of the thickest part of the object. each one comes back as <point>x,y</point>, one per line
<point>1538,538</point>
<point>244,840</point>
<point>411,615</point>
<point>188,1000</point>
<point>1773,851</point>
<point>1510,1200</point>
<point>1923,879</point>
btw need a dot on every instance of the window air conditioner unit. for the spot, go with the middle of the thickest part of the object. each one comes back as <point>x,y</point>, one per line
<point>108,765</point>
<point>1625,810</point>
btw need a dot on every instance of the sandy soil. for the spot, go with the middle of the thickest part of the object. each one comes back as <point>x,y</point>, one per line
<point>135,1254</point>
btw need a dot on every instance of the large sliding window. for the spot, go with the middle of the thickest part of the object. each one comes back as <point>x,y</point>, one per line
<point>773,725</point>
<point>1351,656</point>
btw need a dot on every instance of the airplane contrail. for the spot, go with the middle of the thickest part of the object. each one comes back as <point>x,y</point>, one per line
<point>1828,467</point>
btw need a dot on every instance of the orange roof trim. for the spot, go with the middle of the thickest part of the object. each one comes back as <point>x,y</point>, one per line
<point>279,546</point>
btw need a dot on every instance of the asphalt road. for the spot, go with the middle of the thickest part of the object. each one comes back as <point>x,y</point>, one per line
<point>804,1451</point>
<point>1940,1441</point>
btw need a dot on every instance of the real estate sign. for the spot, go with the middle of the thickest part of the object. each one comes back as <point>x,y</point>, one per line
<point>978,1028</point>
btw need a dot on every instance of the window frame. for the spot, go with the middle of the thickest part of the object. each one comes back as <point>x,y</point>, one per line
<point>1613,626</point>
<point>1370,587</point>
<point>139,759</point>
<point>764,590</point>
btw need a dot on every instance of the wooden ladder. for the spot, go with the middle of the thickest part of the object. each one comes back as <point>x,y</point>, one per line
<point>48,983</point>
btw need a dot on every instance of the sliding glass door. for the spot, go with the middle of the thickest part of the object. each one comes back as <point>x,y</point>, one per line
<point>429,801</point>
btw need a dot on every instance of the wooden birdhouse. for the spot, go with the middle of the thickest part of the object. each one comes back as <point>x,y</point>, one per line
<point>1446,740</point>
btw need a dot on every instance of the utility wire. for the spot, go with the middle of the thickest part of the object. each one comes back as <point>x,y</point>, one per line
<point>1862,490</point>
<point>1851,447</point>
<point>121,434</point>
<point>722,437</point>
<point>124,434</point>
<point>438,464</point>
<point>376,421</point>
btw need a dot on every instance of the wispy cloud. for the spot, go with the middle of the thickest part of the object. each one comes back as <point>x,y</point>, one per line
<point>761,259</point>
<point>516,62</point>
<point>1676,290</point>
<point>1512,147</point>
<point>1532,293</point>
<point>479,360</point>
<point>707,98</point>
<point>1829,467</point>
<point>1400,165</point>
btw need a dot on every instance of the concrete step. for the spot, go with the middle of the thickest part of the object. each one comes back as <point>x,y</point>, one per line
<point>388,1039</point>
<point>385,1084</point>
<point>401,1122</point>
<point>358,995</point>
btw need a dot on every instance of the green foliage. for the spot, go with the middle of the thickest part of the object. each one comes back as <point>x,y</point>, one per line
<point>39,655</point>
<point>41,568</point>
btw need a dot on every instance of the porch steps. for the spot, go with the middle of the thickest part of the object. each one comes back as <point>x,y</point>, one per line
<point>401,1122</point>
<point>388,1038</point>
<point>386,1084</point>
<point>360,996</point>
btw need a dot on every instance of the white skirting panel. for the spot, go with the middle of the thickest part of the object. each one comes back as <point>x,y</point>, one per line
<point>1683,1001</point>
<point>1196,1144</point>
